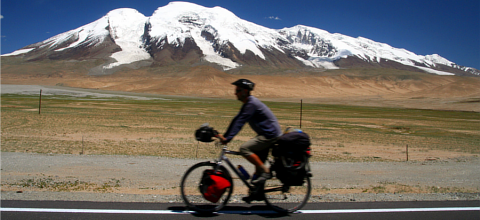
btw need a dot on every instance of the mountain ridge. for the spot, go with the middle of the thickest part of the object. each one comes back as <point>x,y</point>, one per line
<point>191,34</point>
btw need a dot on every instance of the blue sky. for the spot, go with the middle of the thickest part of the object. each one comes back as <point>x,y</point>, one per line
<point>450,28</point>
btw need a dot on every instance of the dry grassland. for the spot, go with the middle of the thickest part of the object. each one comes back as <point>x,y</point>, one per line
<point>356,114</point>
<point>117,126</point>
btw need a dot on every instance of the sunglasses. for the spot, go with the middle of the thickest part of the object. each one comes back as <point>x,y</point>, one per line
<point>238,90</point>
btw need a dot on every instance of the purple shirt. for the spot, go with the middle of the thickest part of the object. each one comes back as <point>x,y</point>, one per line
<point>260,118</point>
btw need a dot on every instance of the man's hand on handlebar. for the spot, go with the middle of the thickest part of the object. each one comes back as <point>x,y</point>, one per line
<point>223,140</point>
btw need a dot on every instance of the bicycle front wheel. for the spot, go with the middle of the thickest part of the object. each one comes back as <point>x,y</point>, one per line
<point>286,199</point>
<point>190,191</point>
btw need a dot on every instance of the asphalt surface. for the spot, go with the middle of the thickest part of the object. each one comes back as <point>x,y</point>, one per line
<point>11,209</point>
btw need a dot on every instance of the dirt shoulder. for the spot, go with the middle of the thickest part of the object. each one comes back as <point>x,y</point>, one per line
<point>152,179</point>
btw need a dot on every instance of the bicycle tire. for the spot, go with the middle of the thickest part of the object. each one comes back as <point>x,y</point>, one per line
<point>190,192</point>
<point>286,199</point>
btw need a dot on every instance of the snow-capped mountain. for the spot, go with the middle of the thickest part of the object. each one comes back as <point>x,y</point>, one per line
<point>190,33</point>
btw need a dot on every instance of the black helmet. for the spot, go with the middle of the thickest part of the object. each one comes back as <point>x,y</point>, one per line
<point>205,133</point>
<point>244,83</point>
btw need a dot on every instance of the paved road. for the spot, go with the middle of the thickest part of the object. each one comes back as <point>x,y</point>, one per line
<point>11,209</point>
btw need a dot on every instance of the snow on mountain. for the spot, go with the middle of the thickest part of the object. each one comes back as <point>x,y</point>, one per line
<point>90,34</point>
<point>179,20</point>
<point>323,47</point>
<point>93,33</point>
<point>220,35</point>
<point>126,27</point>
<point>19,52</point>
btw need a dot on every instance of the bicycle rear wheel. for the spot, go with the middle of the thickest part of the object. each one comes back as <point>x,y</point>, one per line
<point>191,195</point>
<point>286,199</point>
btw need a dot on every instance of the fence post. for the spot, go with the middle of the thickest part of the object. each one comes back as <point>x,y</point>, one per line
<point>40,103</point>
<point>407,152</point>
<point>81,153</point>
<point>301,112</point>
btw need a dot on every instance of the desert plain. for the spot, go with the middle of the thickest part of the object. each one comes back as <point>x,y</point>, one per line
<point>358,117</point>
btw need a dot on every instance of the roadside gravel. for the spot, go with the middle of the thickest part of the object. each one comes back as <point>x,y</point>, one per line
<point>141,177</point>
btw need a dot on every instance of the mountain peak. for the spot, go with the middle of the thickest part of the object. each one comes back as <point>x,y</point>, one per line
<point>175,10</point>
<point>187,32</point>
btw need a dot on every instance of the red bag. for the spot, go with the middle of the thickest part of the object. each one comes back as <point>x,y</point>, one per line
<point>213,185</point>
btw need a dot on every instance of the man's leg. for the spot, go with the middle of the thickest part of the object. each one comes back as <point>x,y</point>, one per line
<point>259,165</point>
<point>257,144</point>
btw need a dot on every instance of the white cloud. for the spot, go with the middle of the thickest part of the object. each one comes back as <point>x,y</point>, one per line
<point>1,16</point>
<point>274,18</point>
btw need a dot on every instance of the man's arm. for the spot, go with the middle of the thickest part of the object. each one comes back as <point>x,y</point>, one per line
<point>237,123</point>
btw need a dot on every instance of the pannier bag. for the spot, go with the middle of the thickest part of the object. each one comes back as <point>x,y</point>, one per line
<point>213,185</point>
<point>291,153</point>
<point>293,143</point>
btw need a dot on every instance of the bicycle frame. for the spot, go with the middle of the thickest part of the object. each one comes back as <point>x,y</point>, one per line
<point>223,157</point>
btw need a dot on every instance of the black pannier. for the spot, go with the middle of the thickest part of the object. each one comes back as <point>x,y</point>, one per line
<point>292,143</point>
<point>291,153</point>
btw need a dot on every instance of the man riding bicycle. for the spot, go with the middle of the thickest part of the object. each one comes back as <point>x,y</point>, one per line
<point>262,121</point>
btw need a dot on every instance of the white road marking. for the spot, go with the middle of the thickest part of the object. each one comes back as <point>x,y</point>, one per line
<point>104,211</point>
<point>445,209</point>
<point>334,211</point>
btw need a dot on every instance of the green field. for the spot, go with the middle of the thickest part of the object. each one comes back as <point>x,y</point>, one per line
<point>159,127</point>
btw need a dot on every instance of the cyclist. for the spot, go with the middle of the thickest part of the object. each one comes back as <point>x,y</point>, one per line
<point>262,121</point>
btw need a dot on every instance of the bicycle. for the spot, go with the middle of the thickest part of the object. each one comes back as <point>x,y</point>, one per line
<point>278,196</point>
